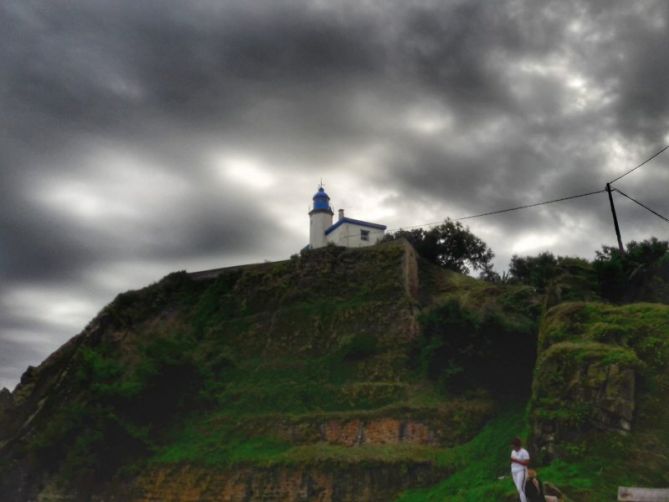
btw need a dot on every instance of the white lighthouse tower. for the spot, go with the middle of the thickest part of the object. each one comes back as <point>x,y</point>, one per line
<point>320,219</point>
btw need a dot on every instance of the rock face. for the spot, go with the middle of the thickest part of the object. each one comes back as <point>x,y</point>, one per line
<point>591,358</point>
<point>439,426</point>
<point>578,389</point>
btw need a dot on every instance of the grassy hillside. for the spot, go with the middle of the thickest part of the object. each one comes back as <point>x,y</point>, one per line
<point>478,464</point>
<point>340,375</point>
<point>330,359</point>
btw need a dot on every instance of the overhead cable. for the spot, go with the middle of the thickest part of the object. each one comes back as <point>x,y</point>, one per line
<point>643,163</point>
<point>507,210</point>
<point>500,211</point>
<point>643,205</point>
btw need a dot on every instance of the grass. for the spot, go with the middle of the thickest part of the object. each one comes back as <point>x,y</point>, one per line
<point>220,447</point>
<point>637,325</point>
<point>225,445</point>
<point>481,467</point>
<point>478,464</point>
<point>223,439</point>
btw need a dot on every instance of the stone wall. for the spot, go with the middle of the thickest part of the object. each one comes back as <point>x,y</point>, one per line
<point>327,483</point>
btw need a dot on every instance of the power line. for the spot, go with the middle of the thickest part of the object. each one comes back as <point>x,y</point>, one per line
<point>416,226</point>
<point>643,163</point>
<point>501,211</point>
<point>526,206</point>
<point>643,205</point>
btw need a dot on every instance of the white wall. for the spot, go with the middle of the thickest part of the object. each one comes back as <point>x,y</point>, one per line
<point>348,235</point>
<point>318,222</point>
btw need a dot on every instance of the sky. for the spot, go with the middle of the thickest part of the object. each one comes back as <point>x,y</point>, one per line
<point>139,138</point>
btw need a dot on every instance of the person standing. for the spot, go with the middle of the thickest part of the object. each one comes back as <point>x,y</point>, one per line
<point>520,459</point>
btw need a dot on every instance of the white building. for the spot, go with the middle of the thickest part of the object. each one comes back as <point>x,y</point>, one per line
<point>345,231</point>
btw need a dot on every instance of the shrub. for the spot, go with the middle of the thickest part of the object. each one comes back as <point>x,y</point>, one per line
<point>640,274</point>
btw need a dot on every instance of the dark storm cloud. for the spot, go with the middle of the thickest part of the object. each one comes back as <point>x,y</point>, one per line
<point>125,127</point>
<point>628,57</point>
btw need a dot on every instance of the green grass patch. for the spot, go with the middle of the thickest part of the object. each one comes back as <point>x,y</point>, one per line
<point>225,445</point>
<point>217,447</point>
<point>641,326</point>
<point>478,464</point>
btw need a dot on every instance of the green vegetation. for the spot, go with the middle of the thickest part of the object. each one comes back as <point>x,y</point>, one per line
<point>641,274</point>
<point>218,447</point>
<point>596,466</point>
<point>478,464</point>
<point>277,338</point>
<point>251,367</point>
<point>449,245</point>
<point>601,366</point>
<point>480,337</point>
<point>223,446</point>
<point>640,326</point>
<point>199,373</point>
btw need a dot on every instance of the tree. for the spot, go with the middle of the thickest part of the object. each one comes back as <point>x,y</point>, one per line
<point>450,245</point>
<point>640,274</point>
<point>536,271</point>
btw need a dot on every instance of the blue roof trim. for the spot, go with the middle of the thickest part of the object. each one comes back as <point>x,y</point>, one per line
<point>361,223</point>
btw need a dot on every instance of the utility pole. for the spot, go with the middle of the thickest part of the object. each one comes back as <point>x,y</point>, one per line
<point>615,219</point>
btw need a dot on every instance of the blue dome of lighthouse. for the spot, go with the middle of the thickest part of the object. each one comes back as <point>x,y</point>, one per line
<point>321,201</point>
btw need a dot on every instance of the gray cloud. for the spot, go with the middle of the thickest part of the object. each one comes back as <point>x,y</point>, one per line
<point>138,138</point>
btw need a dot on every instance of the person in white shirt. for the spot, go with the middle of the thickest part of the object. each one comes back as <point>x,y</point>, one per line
<point>520,459</point>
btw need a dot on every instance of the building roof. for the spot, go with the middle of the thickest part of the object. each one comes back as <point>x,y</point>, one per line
<point>321,200</point>
<point>351,221</point>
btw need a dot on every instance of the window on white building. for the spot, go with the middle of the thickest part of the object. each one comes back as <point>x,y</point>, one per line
<point>364,235</point>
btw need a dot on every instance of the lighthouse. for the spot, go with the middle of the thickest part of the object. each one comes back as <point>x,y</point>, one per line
<point>320,219</point>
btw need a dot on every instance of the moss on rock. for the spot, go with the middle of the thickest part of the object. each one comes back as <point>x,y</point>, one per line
<point>603,371</point>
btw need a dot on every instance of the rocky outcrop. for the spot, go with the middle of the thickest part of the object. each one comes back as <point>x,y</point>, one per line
<point>580,387</point>
<point>591,357</point>
<point>379,431</point>
<point>443,426</point>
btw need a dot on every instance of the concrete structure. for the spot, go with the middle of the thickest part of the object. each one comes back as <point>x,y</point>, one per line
<point>345,232</point>
<point>631,494</point>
